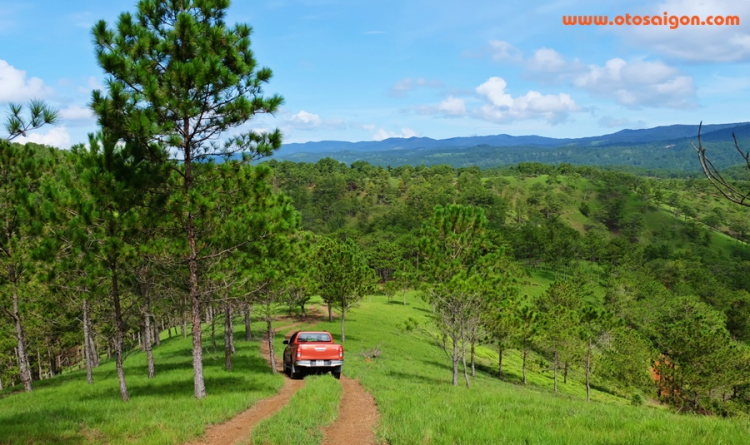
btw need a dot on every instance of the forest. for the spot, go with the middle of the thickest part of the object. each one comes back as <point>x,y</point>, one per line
<point>649,274</point>
<point>158,225</point>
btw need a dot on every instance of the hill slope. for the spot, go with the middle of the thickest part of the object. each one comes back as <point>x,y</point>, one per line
<point>656,148</point>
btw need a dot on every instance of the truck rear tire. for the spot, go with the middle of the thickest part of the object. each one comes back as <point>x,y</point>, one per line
<point>294,374</point>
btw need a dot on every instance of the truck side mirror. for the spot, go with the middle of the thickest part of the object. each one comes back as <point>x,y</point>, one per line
<point>286,342</point>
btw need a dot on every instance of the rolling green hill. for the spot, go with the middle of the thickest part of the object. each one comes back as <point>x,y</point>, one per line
<point>410,381</point>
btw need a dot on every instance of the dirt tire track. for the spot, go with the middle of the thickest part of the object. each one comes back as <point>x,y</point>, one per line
<point>358,417</point>
<point>239,428</point>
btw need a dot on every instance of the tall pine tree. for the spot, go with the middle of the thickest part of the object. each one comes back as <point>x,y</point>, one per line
<point>178,79</point>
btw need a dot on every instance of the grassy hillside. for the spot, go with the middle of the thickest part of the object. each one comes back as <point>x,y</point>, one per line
<point>410,381</point>
<point>411,384</point>
<point>66,410</point>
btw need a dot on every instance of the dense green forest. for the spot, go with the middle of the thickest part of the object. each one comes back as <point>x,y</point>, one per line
<point>675,155</point>
<point>649,275</point>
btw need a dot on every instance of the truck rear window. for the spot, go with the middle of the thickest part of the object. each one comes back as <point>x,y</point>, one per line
<point>307,337</point>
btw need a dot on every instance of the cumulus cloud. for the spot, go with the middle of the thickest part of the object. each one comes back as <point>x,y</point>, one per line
<point>54,137</point>
<point>304,120</point>
<point>378,134</point>
<point>638,83</point>
<point>546,60</point>
<point>77,116</point>
<point>16,87</point>
<point>503,51</point>
<point>502,107</point>
<point>694,43</point>
<point>612,122</point>
<point>635,83</point>
<point>404,86</point>
<point>450,107</point>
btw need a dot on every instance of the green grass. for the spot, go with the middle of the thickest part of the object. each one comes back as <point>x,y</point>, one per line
<point>66,410</point>
<point>411,385</point>
<point>410,381</point>
<point>312,408</point>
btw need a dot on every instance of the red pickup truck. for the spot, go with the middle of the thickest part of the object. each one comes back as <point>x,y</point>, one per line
<point>311,351</point>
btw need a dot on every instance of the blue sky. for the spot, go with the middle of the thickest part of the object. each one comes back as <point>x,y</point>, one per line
<point>366,70</point>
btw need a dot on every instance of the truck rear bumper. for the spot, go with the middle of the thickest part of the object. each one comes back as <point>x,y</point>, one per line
<point>318,363</point>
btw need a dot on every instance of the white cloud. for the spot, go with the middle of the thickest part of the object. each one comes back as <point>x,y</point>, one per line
<point>502,107</point>
<point>404,86</point>
<point>547,60</point>
<point>304,120</point>
<point>502,51</point>
<point>635,83</point>
<point>15,87</point>
<point>450,107</point>
<point>694,43</point>
<point>638,83</point>
<point>611,122</point>
<point>453,106</point>
<point>76,115</point>
<point>381,133</point>
<point>54,137</point>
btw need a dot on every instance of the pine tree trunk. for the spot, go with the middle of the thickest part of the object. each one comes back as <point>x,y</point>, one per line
<point>473,366</point>
<point>23,360</point>
<point>588,372</point>
<point>463,356</point>
<point>231,330</point>
<point>52,371</point>
<point>269,337</point>
<point>455,359</point>
<point>87,341</point>
<point>147,333</point>
<point>343,316</point>
<point>555,365</point>
<point>1,382</point>
<point>565,375</point>
<point>227,338</point>
<point>92,344</point>
<point>39,363</point>
<point>330,312</point>
<point>525,353</point>
<point>500,360</point>
<point>157,333</point>
<point>248,331</point>
<point>119,334</point>
<point>213,333</point>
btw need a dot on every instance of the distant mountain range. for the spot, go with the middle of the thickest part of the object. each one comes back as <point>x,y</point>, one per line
<point>641,148</point>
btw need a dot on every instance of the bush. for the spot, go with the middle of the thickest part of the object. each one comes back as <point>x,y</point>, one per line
<point>637,400</point>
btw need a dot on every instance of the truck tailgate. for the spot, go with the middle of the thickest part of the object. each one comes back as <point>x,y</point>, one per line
<point>318,351</point>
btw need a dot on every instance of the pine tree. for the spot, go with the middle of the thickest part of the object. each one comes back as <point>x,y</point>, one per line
<point>178,79</point>
<point>464,273</point>
<point>21,175</point>
<point>343,275</point>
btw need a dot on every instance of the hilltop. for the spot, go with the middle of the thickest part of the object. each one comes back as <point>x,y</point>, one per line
<point>664,147</point>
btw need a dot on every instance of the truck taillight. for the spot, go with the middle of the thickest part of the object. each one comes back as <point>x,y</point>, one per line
<point>341,351</point>
<point>299,354</point>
